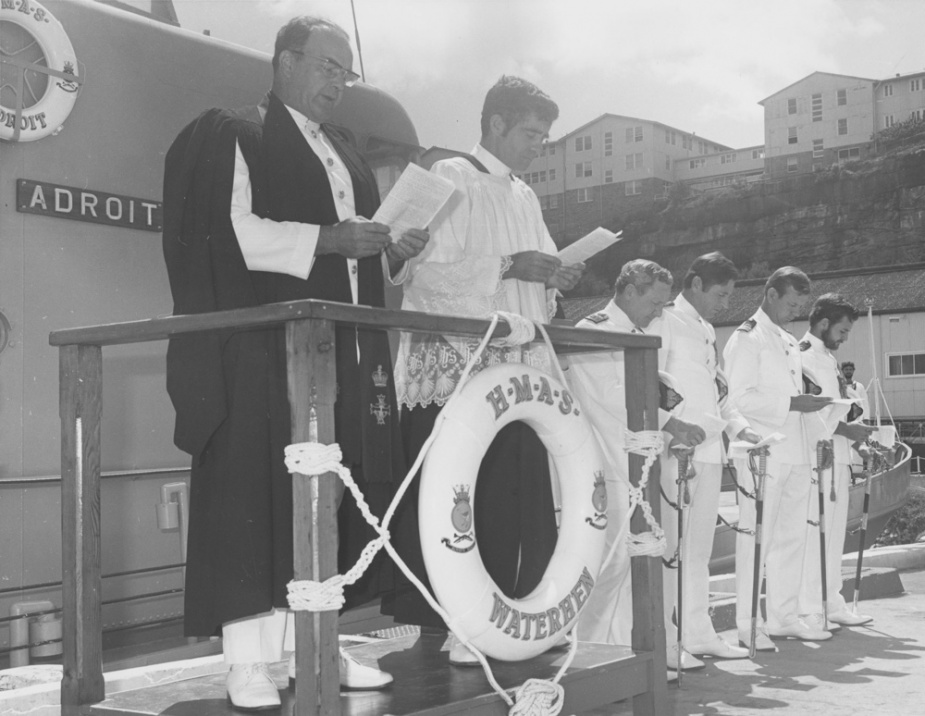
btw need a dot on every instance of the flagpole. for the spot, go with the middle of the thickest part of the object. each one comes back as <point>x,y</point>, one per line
<point>873,358</point>
<point>356,33</point>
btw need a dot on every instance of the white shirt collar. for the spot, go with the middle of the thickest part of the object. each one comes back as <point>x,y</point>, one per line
<point>686,307</point>
<point>303,122</point>
<point>495,166</point>
<point>620,319</point>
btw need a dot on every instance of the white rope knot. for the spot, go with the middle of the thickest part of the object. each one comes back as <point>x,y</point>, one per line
<point>313,458</point>
<point>308,595</point>
<point>538,697</point>
<point>522,330</point>
<point>652,543</point>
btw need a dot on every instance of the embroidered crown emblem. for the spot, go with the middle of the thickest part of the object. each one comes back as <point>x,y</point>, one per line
<point>380,377</point>
<point>461,493</point>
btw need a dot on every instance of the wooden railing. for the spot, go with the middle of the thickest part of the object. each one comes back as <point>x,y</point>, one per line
<point>309,327</point>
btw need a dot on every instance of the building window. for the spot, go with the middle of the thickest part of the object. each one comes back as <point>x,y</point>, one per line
<point>544,202</point>
<point>727,158</point>
<point>818,149</point>
<point>584,196</point>
<point>852,153</point>
<point>543,151</point>
<point>633,134</point>
<point>842,97</point>
<point>697,163</point>
<point>758,153</point>
<point>687,142</point>
<point>915,85</point>
<point>608,176</point>
<point>842,127</point>
<point>700,146</point>
<point>793,163</point>
<point>553,201</point>
<point>583,169</point>
<point>887,90</point>
<point>792,135</point>
<point>552,150</point>
<point>817,107</point>
<point>633,188</point>
<point>902,364</point>
<point>525,178</point>
<point>667,163</point>
<point>888,121</point>
<point>608,144</point>
<point>916,115</point>
<point>634,161</point>
<point>552,175</point>
<point>582,143</point>
<point>792,105</point>
<point>670,137</point>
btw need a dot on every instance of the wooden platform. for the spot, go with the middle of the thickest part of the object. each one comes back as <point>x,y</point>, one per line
<point>425,683</point>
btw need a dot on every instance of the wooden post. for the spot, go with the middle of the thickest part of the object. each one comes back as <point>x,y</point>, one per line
<point>80,391</point>
<point>641,366</point>
<point>312,380</point>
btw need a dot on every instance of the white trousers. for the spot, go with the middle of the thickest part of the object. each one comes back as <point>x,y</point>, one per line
<point>783,546</point>
<point>697,547</point>
<point>836,521</point>
<point>260,638</point>
<point>607,616</point>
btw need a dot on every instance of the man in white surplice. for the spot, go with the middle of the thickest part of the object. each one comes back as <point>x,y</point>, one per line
<point>489,250</point>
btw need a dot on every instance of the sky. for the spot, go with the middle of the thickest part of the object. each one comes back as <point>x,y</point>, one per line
<point>698,65</point>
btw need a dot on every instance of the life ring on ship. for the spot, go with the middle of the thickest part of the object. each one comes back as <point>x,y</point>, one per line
<point>47,115</point>
<point>501,627</point>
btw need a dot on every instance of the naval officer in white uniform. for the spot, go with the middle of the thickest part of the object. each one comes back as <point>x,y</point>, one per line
<point>830,323</point>
<point>597,381</point>
<point>763,367</point>
<point>690,355</point>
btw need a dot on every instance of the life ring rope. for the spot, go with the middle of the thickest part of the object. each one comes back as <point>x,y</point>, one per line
<point>536,696</point>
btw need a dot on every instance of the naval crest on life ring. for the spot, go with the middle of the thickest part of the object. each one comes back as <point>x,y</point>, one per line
<point>599,500</point>
<point>38,56</point>
<point>463,539</point>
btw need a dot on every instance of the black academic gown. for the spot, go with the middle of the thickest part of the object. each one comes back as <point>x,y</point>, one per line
<point>229,388</point>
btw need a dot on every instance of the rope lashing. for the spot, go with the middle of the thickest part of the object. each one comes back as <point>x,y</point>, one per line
<point>309,595</point>
<point>538,697</point>
<point>652,543</point>
<point>523,330</point>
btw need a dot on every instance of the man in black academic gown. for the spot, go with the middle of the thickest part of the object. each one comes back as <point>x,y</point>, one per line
<point>262,205</point>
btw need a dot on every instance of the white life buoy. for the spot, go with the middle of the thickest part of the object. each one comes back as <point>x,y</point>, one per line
<point>501,627</point>
<point>47,115</point>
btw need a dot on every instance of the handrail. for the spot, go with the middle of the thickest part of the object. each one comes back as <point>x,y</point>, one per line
<point>310,353</point>
<point>275,314</point>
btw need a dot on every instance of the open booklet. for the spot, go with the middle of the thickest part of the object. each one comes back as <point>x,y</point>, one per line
<point>588,245</point>
<point>414,201</point>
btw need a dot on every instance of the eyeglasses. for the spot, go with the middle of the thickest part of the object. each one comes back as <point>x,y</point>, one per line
<point>331,70</point>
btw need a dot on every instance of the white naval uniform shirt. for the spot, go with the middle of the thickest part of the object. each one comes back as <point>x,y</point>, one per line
<point>821,425</point>
<point>690,356</point>
<point>288,247</point>
<point>597,381</point>
<point>764,371</point>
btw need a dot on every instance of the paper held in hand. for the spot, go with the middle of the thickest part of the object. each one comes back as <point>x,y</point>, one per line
<point>588,245</point>
<point>414,201</point>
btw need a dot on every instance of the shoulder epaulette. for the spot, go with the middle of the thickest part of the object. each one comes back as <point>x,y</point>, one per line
<point>670,304</point>
<point>748,325</point>
<point>805,345</point>
<point>597,317</point>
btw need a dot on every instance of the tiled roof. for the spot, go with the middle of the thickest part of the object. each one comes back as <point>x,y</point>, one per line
<point>892,290</point>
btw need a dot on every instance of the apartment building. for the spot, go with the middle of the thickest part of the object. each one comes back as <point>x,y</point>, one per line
<point>607,167</point>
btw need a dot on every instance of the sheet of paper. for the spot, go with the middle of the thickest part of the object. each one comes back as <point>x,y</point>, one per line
<point>588,245</point>
<point>414,201</point>
<point>740,448</point>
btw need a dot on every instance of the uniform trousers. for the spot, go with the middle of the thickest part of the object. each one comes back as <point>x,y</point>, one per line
<point>607,617</point>
<point>699,529</point>
<point>783,542</point>
<point>836,521</point>
<point>260,638</point>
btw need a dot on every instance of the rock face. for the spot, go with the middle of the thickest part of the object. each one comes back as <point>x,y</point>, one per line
<point>853,216</point>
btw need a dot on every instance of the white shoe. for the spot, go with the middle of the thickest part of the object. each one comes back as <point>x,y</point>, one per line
<point>846,618</point>
<point>815,621</point>
<point>250,687</point>
<point>460,654</point>
<point>799,630</point>
<point>354,676</point>
<point>688,661</point>
<point>718,649</point>
<point>762,640</point>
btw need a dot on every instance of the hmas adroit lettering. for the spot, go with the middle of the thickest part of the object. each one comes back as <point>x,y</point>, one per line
<point>526,626</point>
<point>68,202</point>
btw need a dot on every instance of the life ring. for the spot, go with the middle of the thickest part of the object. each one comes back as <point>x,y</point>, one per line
<point>501,627</point>
<point>47,115</point>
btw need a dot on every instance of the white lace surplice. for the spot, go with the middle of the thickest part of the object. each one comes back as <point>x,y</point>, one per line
<point>488,218</point>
